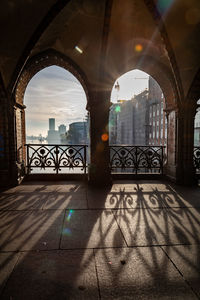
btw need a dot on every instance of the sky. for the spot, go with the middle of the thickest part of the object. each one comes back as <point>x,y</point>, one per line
<point>131,83</point>
<point>56,93</point>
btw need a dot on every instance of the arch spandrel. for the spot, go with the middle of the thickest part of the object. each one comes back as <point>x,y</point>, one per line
<point>194,91</point>
<point>43,60</point>
<point>156,70</point>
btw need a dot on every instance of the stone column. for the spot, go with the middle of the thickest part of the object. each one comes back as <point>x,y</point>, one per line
<point>8,168</point>
<point>99,171</point>
<point>185,165</point>
<point>4,154</point>
<point>20,139</point>
<point>180,145</point>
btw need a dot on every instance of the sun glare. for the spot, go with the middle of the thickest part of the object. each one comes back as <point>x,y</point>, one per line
<point>128,85</point>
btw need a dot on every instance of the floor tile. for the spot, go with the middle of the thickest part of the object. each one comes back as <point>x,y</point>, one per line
<point>146,227</point>
<point>7,263</point>
<point>186,224</point>
<point>53,275</point>
<point>187,260</point>
<point>139,273</point>
<point>90,229</point>
<point>180,196</point>
<point>123,198</point>
<point>30,230</point>
<point>22,201</point>
<point>64,200</point>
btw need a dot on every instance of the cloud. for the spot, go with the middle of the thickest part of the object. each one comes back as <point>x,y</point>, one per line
<point>53,93</point>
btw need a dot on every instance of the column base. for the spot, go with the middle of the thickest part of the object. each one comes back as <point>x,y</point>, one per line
<point>181,175</point>
<point>99,177</point>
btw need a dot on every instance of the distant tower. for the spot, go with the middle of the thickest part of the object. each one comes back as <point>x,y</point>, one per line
<point>52,124</point>
<point>62,129</point>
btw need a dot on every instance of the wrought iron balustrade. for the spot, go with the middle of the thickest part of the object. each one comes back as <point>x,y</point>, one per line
<point>196,159</point>
<point>137,159</point>
<point>64,158</point>
<point>57,158</point>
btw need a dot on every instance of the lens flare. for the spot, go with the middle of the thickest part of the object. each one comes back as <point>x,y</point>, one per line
<point>78,49</point>
<point>104,137</point>
<point>70,214</point>
<point>67,231</point>
<point>164,5</point>
<point>117,108</point>
<point>138,48</point>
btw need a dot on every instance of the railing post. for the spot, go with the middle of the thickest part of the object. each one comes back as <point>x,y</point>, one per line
<point>85,159</point>
<point>27,158</point>
<point>57,167</point>
<point>136,157</point>
<point>162,156</point>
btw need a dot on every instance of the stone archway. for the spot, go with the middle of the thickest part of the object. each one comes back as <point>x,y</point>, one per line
<point>164,78</point>
<point>33,66</point>
<point>45,59</point>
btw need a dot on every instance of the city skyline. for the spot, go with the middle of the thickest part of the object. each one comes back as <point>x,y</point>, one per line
<point>56,93</point>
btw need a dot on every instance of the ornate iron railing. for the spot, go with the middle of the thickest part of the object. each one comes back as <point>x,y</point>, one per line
<point>196,159</point>
<point>58,158</point>
<point>134,159</point>
<point>137,159</point>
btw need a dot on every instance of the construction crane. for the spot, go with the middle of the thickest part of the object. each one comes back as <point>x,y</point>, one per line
<point>140,78</point>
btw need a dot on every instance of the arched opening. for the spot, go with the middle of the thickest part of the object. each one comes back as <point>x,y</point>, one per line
<point>137,124</point>
<point>57,122</point>
<point>57,159</point>
<point>59,91</point>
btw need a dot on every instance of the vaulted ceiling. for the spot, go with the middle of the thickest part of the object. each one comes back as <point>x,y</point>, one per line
<point>161,37</point>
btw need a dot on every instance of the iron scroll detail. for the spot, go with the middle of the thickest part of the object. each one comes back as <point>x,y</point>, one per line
<point>138,159</point>
<point>56,157</point>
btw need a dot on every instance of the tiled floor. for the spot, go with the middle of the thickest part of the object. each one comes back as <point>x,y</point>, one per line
<point>134,240</point>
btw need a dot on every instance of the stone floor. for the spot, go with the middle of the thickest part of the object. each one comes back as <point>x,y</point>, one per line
<point>134,240</point>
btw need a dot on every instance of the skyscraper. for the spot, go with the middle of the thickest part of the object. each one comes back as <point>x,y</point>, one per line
<point>53,136</point>
<point>52,124</point>
<point>62,129</point>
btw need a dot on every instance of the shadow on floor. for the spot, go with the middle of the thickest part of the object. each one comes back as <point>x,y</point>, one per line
<point>68,241</point>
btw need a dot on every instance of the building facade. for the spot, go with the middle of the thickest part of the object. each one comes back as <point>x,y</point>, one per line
<point>53,136</point>
<point>197,128</point>
<point>141,120</point>
<point>77,133</point>
<point>157,120</point>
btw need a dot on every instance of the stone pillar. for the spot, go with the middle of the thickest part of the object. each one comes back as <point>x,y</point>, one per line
<point>8,168</point>
<point>20,139</point>
<point>185,166</point>
<point>99,171</point>
<point>4,150</point>
<point>13,145</point>
<point>180,145</point>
